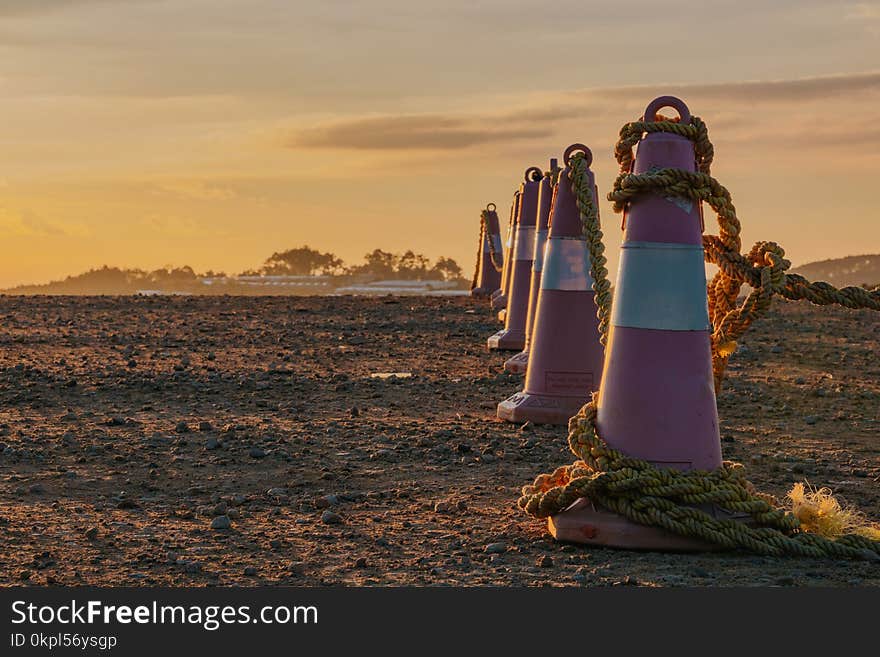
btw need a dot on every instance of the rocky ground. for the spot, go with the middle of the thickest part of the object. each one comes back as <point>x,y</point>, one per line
<point>212,441</point>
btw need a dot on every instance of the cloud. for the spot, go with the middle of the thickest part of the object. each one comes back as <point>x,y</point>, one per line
<point>26,224</point>
<point>197,190</point>
<point>26,7</point>
<point>744,109</point>
<point>425,132</point>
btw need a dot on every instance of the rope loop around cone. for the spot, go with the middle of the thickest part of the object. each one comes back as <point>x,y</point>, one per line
<point>664,498</point>
<point>764,268</point>
<point>636,489</point>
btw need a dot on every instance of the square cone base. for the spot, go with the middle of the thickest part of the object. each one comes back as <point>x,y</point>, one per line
<point>517,364</point>
<point>507,340</point>
<point>499,302</point>
<point>481,292</point>
<point>585,523</point>
<point>539,409</point>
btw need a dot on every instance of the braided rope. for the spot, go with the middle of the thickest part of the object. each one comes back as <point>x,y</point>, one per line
<point>589,216</point>
<point>763,268</point>
<point>664,498</point>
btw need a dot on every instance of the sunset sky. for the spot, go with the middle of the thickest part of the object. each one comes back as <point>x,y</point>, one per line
<point>213,132</point>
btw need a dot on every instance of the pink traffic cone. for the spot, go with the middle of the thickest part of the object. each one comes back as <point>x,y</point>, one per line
<point>513,335</point>
<point>517,363</point>
<point>499,298</point>
<point>488,278</point>
<point>565,358</point>
<point>657,398</point>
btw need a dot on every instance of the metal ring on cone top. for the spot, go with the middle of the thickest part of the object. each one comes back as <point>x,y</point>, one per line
<point>533,174</point>
<point>572,150</point>
<point>667,101</point>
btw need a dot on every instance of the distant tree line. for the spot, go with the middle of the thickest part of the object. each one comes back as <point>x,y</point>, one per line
<point>301,261</point>
<point>306,261</point>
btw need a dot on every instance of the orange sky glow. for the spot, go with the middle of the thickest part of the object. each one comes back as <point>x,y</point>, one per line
<point>211,133</point>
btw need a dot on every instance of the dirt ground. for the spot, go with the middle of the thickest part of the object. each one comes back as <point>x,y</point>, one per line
<point>129,425</point>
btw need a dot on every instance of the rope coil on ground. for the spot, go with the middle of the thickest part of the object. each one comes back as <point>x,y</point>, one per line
<point>664,498</point>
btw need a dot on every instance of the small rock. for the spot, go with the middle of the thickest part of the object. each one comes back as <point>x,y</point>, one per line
<point>496,548</point>
<point>785,580</point>
<point>545,561</point>
<point>444,507</point>
<point>257,453</point>
<point>326,501</point>
<point>204,425</point>
<point>92,533</point>
<point>354,412</point>
<point>36,489</point>
<point>361,562</point>
<point>221,522</point>
<point>776,349</point>
<point>212,443</point>
<point>811,419</point>
<point>250,571</point>
<point>488,457</point>
<point>330,518</point>
<point>182,427</point>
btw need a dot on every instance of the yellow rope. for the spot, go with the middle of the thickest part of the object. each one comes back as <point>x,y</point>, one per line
<point>665,498</point>
<point>582,191</point>
<point>648,495</point>
<point>763,268</point>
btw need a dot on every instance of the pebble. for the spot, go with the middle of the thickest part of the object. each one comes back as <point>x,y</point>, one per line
<point>182,427</point>
<point>221,522</point>
<point>444,507</point>
<point>545,561</point>
<point>330,518</point>
<point>811,419</point>
<point>92,533</point>
<point>204,425</point>
<point>212,443</point>
<point>361,562</point>
<point>496,548</point>
<point>257,453</point>
<point>250,571</point>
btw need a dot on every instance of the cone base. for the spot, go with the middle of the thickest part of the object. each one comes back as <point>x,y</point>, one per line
<point>585,523</point>
<point>517,364</point>
<point>502,315</point>
<point>539,409</point>
<point>499,302</point>
<point>507,340</point>
<point>481,293</point>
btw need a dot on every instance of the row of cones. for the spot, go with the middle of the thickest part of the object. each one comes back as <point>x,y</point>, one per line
<point>656,391</point>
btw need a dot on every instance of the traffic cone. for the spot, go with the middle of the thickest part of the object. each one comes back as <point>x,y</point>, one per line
<point>490,257</point>
<point>565,356</point>
<point>513,335</point>
<point>657,398</point>
<point>498,300</point>
<point>517,364</point>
